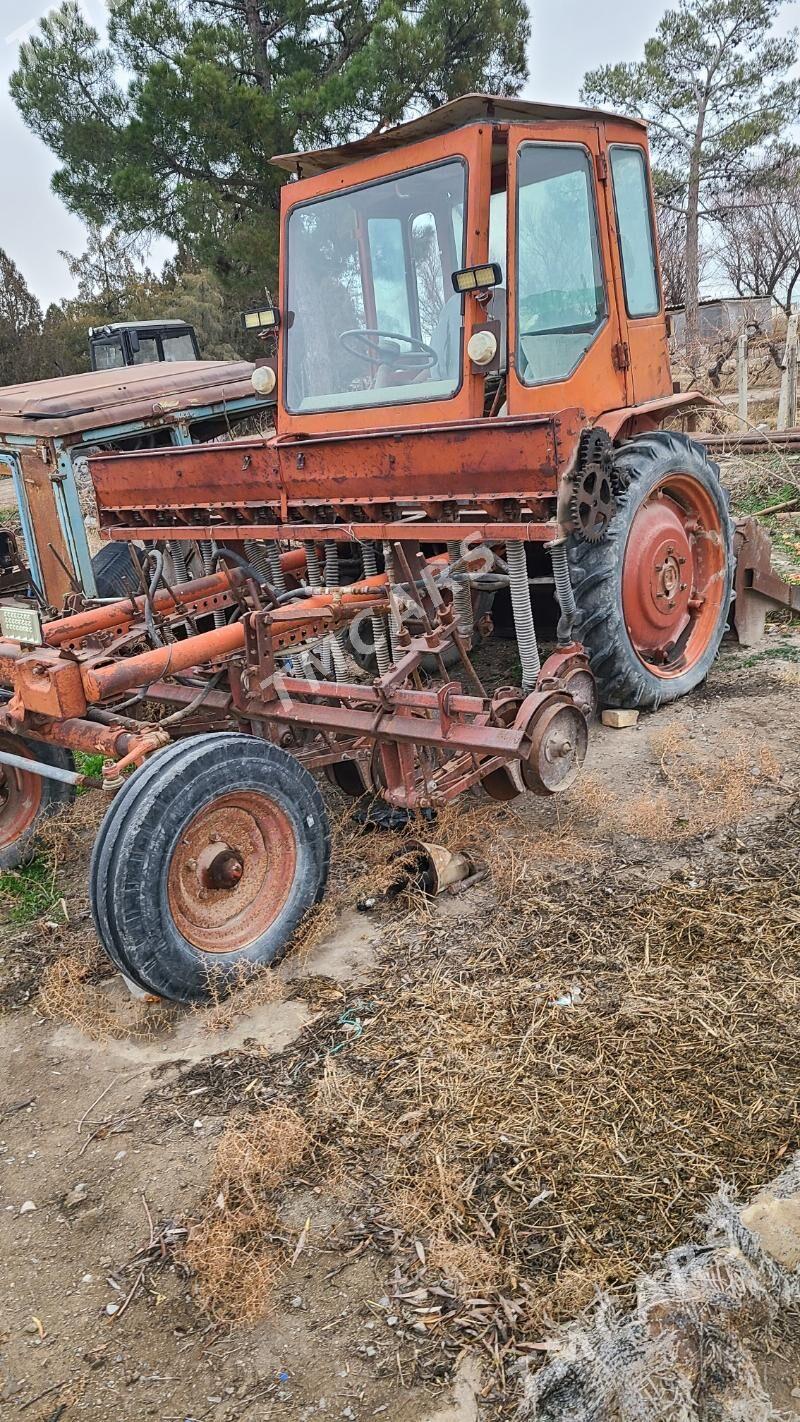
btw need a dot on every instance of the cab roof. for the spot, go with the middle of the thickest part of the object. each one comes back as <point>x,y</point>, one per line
<point>471,108</point>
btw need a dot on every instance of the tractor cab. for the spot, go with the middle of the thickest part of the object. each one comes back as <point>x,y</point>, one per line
<point>496,257</point>
<point>141,343</point>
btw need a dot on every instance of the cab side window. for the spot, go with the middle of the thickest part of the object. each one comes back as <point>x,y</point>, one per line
<point>561,302</point>
<point>635,227</point>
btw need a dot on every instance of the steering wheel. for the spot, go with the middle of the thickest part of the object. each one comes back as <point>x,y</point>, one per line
<point>366,345</point>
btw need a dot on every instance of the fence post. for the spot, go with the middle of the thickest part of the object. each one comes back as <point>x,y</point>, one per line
<point>787,404</point>
<point>741,374</point>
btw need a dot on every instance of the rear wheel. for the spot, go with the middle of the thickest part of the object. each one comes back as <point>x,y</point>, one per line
<point>207,863</point>
<point>653,594</point>
<point>26,799</point>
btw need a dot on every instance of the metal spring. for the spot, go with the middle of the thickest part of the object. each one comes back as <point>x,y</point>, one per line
<point>391,578</point>
<point>564,593</point>
<point>256,553</point>
<point>335,641</point>
<point>370,566</point>
<point>276,571</point>
<point>523,613</point>
<point>177,553</point>
<point>207,554</point>
<point>462,595</point>
<point>313,570</point>
<point>331,563</point>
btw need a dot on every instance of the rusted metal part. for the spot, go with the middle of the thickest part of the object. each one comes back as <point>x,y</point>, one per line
<point>673,579</point>
<point>442,469</point>
<point>649,414</point>
<point>757,588</point>
<point>429,744</point>
<point>71,404</point>
<point>11,761</point>
<point>20,794</point>
<point>232,871</point>
<point>568,667</point>
<point>430,531</point>
<point>115,617</point>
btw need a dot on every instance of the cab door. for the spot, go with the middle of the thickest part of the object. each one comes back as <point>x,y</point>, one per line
<point>632,223</point>
<point>566,325</point>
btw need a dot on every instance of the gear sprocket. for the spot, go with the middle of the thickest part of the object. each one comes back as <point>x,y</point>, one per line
<point>593,500</point>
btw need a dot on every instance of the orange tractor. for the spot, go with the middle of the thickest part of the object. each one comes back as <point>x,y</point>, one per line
<point>472,381</point>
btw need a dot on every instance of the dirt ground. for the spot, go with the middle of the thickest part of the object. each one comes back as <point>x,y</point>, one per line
<point>111,1113</point>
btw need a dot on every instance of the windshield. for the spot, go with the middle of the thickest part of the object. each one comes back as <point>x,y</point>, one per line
<point>108,355</point>
<point>371,315</point>
<point>180,347</point>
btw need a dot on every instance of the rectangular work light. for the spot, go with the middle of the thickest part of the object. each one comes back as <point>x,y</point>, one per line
<point>478,278</point>
<point>265,318</point>
<point>21,624</point>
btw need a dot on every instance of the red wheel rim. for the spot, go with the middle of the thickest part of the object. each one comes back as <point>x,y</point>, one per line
<point>674,576</point>
<point>20,794</point>
<point>232,871</point>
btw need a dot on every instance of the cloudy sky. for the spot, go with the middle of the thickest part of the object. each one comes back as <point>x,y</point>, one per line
<point>568,38</point>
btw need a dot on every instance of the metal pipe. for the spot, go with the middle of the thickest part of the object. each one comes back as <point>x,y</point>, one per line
<point>523,613</point>
<point>127,610</point>
<point>37,767</point>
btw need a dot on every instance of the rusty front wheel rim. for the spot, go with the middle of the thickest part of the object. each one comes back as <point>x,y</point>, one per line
<point>232,871</point>
<point>673,576</point>
<point>20,795</point>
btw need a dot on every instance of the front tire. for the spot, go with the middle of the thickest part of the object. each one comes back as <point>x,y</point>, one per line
<point>653,595</point>
<point>207,863</point>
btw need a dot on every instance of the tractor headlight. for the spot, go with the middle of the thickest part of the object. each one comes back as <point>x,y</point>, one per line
<point>478,278</point>
<point>263,380</point>
<point>482,347</point>
<point>266,318</point>
<point>21,624</point>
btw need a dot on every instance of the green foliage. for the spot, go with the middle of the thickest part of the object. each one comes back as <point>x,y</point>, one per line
<point>713,77</point>
<point>29,892</point>
<point>20,323</point>
<point>113,285</point>
<point>714,88</point>
<point>170,125</point>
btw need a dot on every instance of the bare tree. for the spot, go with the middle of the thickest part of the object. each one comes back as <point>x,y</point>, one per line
<point>758,235</point>
<point>672,249</point>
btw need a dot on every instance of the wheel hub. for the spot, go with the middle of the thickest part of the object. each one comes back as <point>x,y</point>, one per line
<point>20,796</point>
<point>231,871</point>
<point>671,583</point>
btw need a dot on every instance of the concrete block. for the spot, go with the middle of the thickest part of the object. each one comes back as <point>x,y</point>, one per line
<point>619,719</point>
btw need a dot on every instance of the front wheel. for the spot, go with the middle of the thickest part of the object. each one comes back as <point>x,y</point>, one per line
<point>206,864</point>
<point>653,593</point>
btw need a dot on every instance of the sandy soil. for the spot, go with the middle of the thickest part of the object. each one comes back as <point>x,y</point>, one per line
<point>104,1140</point>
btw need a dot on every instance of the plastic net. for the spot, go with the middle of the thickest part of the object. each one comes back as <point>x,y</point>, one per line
<point>682,1354</point>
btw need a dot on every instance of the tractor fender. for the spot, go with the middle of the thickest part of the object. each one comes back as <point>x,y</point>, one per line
<point>630,420</point>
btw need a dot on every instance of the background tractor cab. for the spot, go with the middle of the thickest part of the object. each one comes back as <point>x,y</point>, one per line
<point>141,343</point>
<point>494,257</point>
